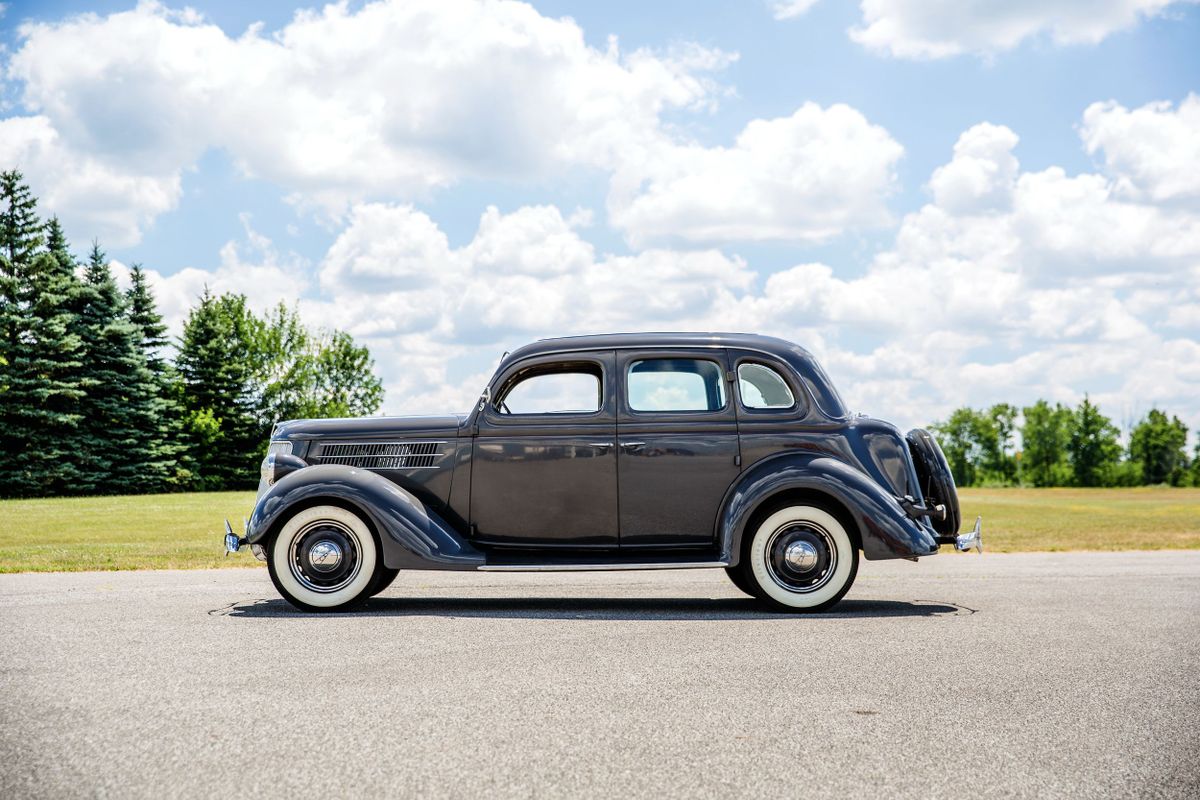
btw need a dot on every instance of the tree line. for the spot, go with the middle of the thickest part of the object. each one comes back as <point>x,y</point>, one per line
<point>1063,446</point>
<point>95,398</point>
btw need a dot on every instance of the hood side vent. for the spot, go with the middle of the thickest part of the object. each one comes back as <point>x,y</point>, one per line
<point>380,455</point>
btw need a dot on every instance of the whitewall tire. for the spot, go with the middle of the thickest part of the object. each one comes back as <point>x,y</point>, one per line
<point>324,558</point>
<point>800,558</point>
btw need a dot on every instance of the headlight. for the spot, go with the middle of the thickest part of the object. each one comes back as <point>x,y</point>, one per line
<point>281,447</point>
<point>277,465</point>
<point>267,471</point>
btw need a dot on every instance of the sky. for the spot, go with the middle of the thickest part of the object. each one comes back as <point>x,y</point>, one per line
<point>949,203</point>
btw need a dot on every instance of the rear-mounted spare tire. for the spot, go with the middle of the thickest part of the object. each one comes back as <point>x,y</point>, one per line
<point>936,479</point>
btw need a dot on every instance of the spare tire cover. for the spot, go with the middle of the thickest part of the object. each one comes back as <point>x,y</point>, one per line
<point>936,479</point>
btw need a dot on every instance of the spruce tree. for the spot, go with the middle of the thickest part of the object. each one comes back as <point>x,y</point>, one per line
<point>218,363</point>
<point>119,419</point>
<point>162,462</point>
<point>39,353</point>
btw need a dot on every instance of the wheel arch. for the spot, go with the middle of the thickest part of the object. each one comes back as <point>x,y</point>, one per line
<point>803,496</point>
<point>410,535</point>
<point>872,515</point>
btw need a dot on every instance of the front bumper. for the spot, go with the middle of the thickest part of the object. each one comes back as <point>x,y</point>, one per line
<point>234,543</point>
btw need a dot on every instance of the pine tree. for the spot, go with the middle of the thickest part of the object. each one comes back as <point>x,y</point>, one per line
<point>163,463</point>
<point>218,363</point>
<point>119,419</point>
<point>39,353</point>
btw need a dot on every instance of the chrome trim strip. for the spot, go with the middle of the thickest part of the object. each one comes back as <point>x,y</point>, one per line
<point>598,567</point>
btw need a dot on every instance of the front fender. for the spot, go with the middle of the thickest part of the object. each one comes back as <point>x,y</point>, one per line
<point>885,529</point>
<point>412,536</point>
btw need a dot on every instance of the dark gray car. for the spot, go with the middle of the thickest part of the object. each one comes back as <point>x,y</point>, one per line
<point>623,451</point>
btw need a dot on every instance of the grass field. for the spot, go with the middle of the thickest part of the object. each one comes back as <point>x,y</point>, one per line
<point>183,531</point>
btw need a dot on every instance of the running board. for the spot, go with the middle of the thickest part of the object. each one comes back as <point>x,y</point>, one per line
<point>598,567</point>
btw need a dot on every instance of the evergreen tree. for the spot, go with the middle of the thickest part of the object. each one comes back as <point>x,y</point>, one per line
<point>1159,443</point>
<point>39,353</point>
<point>143,313</point>
<point>1092,445</point>
<point>165,464</point>
<point>1044,436</point>
<point>218,362</point>
<point>119,422</point>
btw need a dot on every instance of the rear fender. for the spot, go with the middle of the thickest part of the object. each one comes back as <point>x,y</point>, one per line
<point>885,529</point>
<point>412,536</point>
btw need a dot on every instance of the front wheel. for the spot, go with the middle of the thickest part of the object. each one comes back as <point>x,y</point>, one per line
<point>324,559</point>
<point>800,559</point>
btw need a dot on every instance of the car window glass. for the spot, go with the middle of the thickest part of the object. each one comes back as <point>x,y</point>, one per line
<point>554,393</point>
<point>675,384</point>
<point>763,387</point>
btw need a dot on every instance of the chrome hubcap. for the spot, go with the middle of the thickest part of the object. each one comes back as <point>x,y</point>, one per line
<point>325,556</point>
<point>800,556</point>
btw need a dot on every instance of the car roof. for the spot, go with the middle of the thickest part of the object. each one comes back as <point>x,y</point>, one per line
<point>663,340</point>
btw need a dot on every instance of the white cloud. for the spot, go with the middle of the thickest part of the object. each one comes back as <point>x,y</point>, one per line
<point>790,9</point>
<point>394,100</point>
<point>390,100</point>
<point>804,177</point>
<point>87,193</point>
<point>1153,152</point>
<point>922,29</point>
<point>254,267</point>
<point>1007,285</point>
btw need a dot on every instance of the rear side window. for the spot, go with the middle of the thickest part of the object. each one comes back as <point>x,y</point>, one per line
<point>763,387</point>
<point>675,384</point>
<point>557,392</point>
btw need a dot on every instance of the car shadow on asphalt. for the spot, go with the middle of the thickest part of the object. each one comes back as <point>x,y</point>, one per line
<point>668,608</point>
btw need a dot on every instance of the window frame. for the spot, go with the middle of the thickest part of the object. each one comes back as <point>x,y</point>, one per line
<point>556,365</point>
<point>798,408</point>
<point>638,356</point>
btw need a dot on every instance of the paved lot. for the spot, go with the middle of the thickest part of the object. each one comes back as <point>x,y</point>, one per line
<point>1071,675</point>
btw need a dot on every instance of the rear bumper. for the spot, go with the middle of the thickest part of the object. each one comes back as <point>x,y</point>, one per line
<point>971,540</point>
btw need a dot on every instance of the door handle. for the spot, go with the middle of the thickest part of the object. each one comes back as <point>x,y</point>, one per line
<point>602,446</point>
<point>632,445</point>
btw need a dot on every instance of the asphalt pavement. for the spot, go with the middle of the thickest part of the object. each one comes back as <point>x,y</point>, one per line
<point>1035,675</point>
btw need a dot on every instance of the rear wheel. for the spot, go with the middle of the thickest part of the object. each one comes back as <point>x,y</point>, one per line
<point>324,558</point>
<point>383,579</point>
<point>800,559</point>
<point>739,580</point>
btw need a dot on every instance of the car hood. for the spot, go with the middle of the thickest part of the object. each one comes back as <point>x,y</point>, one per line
<point>370,427</point>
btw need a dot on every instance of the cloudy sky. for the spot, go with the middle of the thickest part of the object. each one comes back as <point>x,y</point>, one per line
<point>949,202</point>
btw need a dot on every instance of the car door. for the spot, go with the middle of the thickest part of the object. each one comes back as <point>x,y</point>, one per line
<point>544,463</point>
<point>677,445</point>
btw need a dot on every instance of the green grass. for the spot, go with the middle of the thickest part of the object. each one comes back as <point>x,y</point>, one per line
<point>183,531</point>
<point>1147,518</point>
<point>162,531</point>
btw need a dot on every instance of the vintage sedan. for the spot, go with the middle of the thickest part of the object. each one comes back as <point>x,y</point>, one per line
<point>612,452</point>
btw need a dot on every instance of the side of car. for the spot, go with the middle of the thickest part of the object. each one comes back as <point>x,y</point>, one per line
<point>621,453</point>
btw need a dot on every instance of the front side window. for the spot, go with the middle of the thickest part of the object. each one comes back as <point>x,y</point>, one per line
<point>559,392</point>
<point>675,384</point>
<point>763,387</point>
